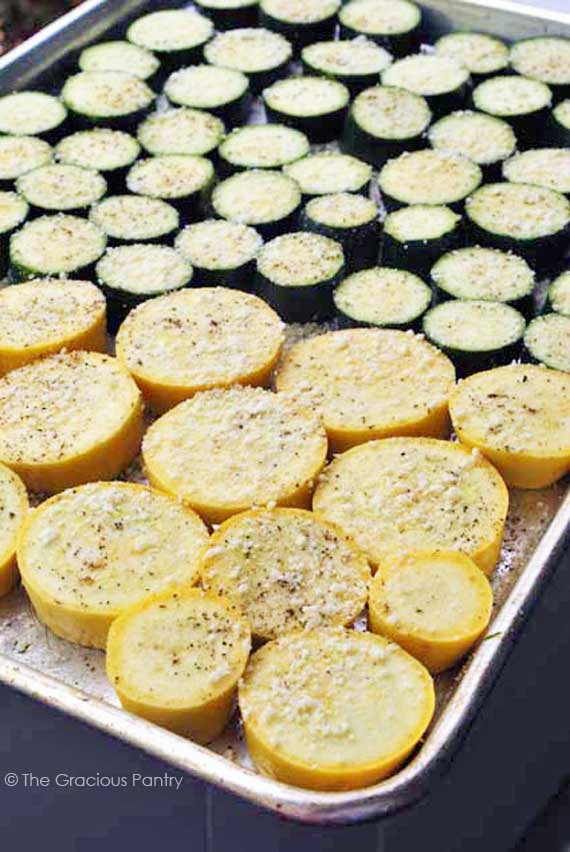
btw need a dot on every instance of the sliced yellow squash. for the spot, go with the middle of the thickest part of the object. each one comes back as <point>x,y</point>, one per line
<point>13,509</point>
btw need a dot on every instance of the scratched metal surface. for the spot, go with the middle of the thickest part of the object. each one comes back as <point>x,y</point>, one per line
<point>73,679</point>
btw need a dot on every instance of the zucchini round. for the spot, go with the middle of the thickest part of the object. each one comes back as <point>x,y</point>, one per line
<point>357,64</point>
<point>482,54</point>
<point>546,59</point>
<point>475,335</point>
<point>314,105</point>
<point>532,221</point>
<point>56,246</point>
<point>32,114</point>
<point>559,295</point>
<point>329,172</point>
<point>547,341</point>
<point>558,125</point>
<point>301,21</point>
<point>109,98</point>
<point>442,81</point>
<point>482,138</point>
<point>297,273</point>
<point>61,188</point>
<point>428,177</point>
<point>181,131</point>
<point>523,103</point>
<point>416,236</point>
<point>109,151</point>
<point>548,167</point>
<point>395,25</point>
<point>261,54</point>
<point>221,253</point>
<point>224,92</point>
<point>230,14</point>
<point>176,35</point>
<point>382,298</point>
<point>262,146</point>
<point>119,56</point>
<point>13,212</point>
<point>383,122</point>
<point>21,154</point>
<point>182,180</point>
<point>485,274</point>
<point>135,219</point>
<point>268,201</point>
<point>351,220</point>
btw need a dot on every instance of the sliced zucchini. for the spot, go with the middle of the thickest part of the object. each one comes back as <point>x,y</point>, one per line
<point>532,221</point>
<point>262,146</point>
<point>475,335</point>
<point>181,131</point>
<point>329,172</point>
<point>90,553</point>
<point>384,121</point>
<point>261,54</point>
<point>558,125</point>
<point>176,658</point>
<point>351,220</point>
<point>546,59</point>
<point>518,418</point>
<point>32,114</point>
<point>357,63</point>
<point>434,605</point>
<point>61,188</point>
<point>182,180</point>
<point>314,105</point>
<point>402,495</point>
<point>68,419</point>
<point>44,316</point>
<point>485,274</point>
<point>176,35</point>
<point>14,505</point>
<point>56,245</point>
<point>14,211</point>
<point>483,55</point>
<point>297,273</point>
<point>396,25</point>
<point>226,450</point>
<point>198,339</point>
<point>442,81</point>
<point>382,298</point>
<point>428,177</point>
<point>135,219</point>
<point>109,98</point>
<point>221,253</point>
<point>129,275</point>
<point>523,103</point>
<point>559,294</point>
<point>224,92</point>
<point>268,201</point>
<point>371,383</point>
<point>547,341</point>
<point>286,570</point>
<point>482,138</point>
<point>301,21</point>
<point>21,154</point>
<point>230,14</point>
<point>119,56</point>
<point>109,151</point>
<point>549,167</point>
<point>416,236</point>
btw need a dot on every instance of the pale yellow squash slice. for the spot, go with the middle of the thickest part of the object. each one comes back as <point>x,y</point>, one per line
<point>198,339</point>
<point>371,383</point>
<point>519,418</point>
<point>407,494</point>
<point>287,570</point>
<point>333,709</point>
<point>14,506</point>
<point>175,659</point>
<point>69,419</point>
<point>435,605</point>
<point>226,451</point>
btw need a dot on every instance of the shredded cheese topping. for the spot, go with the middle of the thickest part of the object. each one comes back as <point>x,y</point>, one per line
<point>549,167</point>
<point>483,273</point>
<point>546,59</point>
<point>346,58</point>
<point>248,50</point>
<point>21,154</point>
<point>181,131</point>
<point>265,146</point>
<point>474,326</point>
<point>306,96</point>
<point>119,56</point>
<point>511,95</point>
<point>342,210</point>
<point>13,510</point>
<point>170,30</point>
<point>300,259</point>
<point>170,176</point>
<point>300,11</point>
<point>479,52</point>
<point>480,137</point>
<point>106,94</point>
<point>329,172</point>
<point>30,113</point>
<point>62,187</point>
<point>102,149</point>
<point>216,244</point>
<point>548,338</point>
<point>256,197</point>
<point>383,296</point>
<point>134,217</point>
<point>420,222</point>
<point>520,211</point>
<point>374,18</point>
<point>205,86</point>
<point>429,177</point>
<point>144,269</point>
<point>56,245</point>
<point>391,113</point>
<point>426,74</point>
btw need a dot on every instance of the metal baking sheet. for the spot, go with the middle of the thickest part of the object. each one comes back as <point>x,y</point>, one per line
<point>73,680</point>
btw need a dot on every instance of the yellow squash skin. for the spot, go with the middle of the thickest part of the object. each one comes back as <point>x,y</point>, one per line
<point>401,495</point>
<point>370,384</point>
<point>194,340</point>
<point>14,506</point>
<point>41,317</point>
<point>54,420</point>
<point>330,709</point>
<point>89,553</point>
<point>519,418</point>
<point>414,601</point>
<point>197,711</point>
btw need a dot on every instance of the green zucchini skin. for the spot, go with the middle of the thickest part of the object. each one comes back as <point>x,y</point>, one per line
<point>345,321</point>
<point>319,128</point>
<point>400,44</point>
<point>238,278</point>
<point>234,113</point>
<point>355,83</point>
<point>191,207</point>
<point>420,255</point>
<point>546,255</point>
<point>121,302</point>
<point>525,305</point>
<point>372,149</point>
<point>299,304</point>
<point>231,19</point>
<point>446,102</point>
<point>300,35</point>
<point>361,244</point>
<point>127,123</point>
